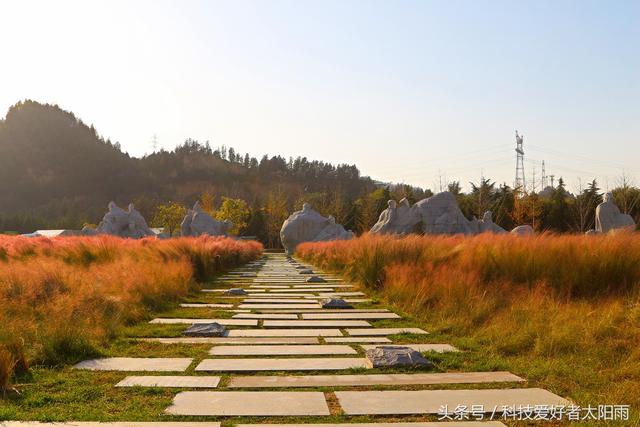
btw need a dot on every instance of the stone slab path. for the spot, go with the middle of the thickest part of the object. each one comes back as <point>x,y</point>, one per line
<point>431,401</point>
<point>422,348</point>
<point>159,364</point>
<point>225,322</point>
<point>425,424</point>
<point>253,403</point>
<point>233,340</point>
<point>288,364</point>
<point>280,341</point>
<point>372,379</point>
<point>280,350</point>
<point>190,381</point>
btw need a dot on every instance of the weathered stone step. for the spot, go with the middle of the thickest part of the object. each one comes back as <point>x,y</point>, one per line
<point>249,403</point>
<point>225,322</point>
<point>432,401</point>
<point>316,324</point>
<point>185,381</point>
<point>419,424</point>
<point>372,380</point>
<point>438,348</point>
<point>159,364</point>
<point>280,350</point>
<point>109,424</point>
<point>284,364</point>
<point>357,340</point>
<point>268,316</point>
<point>232,341</point>
<point>276,306</point>
<point>344,316</point>
<point>199,305</point>
<point>385,331</point>
<point>284,333</point>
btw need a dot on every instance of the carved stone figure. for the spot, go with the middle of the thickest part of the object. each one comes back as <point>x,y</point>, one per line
<point>438,214</point>
<point>197,222</point>
<point>609,217</point>
<point>308,225</point>
<point>523,230</point>
<point>395,219</point>
<point>118,222</point>
<point>486,224</point>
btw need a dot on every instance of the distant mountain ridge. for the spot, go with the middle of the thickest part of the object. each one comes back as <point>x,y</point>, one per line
<point>56,172</point>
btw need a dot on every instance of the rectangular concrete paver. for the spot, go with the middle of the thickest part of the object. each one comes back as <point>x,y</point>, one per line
<point>110,424</point>
<point>284,333</point>
<point>235,341</point>
<point>250,403</point>
<point>191,381</point>
<point>225,322</point>
<point>283,301</point>
<point>382,340</point>
<point>276,306</point>
<point>277,316</point>
<point>197,305</point>
<point>431,401</point>
<point>159,364</point>
<point>280,350</point>
<point>286,309</point>
<point>418,424</point>
<point>357,316</point>
<point>385,331</point>
<point>316,324</point>
<point>371,380</point>
<point>275,295</point>
<point>288,364</point>
<point>437,348</point>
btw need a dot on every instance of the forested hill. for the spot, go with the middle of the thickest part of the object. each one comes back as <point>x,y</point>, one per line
<point>57,172</point>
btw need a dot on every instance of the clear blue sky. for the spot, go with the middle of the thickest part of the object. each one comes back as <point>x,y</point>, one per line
<point>407,90</point>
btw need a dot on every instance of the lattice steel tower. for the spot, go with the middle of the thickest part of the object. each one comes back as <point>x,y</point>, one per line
<point>520,182</point>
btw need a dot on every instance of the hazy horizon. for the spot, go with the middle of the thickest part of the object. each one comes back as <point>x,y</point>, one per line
<point>408,91</point>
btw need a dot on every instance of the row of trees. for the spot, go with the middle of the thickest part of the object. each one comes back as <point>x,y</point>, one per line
<point>57,172</point>
<point>554,209</point>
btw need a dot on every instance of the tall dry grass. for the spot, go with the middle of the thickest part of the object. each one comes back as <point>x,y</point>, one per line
<point>562,310</point>
<point>61,299</point>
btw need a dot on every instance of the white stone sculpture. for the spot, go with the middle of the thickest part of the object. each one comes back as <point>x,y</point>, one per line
<point>121,223</point>
<point>523,230</point>
<point>197,222</point>
<point>308,225</point>
<point>609,217</point>
<point>438,214</point>
<point>396,219</point>
<point>486,224</point>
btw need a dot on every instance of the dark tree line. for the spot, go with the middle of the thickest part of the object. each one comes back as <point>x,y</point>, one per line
<point>57,172</point>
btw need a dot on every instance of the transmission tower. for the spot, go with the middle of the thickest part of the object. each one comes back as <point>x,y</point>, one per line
<point>520,182</point>
<point>154,142</point>
<point>544,176</point>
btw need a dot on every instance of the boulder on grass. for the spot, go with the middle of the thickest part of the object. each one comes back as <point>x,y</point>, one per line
<point>335,303</point>
<point>395,356</point>
<point>316,279</point>
<point>118,222</point>
<point>197,223</point>
<point>609,217</point>
<point>523,230</point>
<point>235,291</point>
<point>205,330</point>
<point>308,225</point>
<point>306,271</point>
